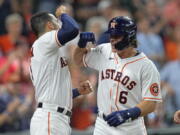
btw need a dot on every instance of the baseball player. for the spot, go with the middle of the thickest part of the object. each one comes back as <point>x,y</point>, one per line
<point>129,83</point>
<point>177,117</point>
<point>50,74</point>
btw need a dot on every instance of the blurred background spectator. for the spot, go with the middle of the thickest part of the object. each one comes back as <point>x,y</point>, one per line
<point>150,43</point>
<point>158,36</point>
<point>14,34</point>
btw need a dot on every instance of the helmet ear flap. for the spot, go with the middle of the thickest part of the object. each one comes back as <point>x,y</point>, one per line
<point>124,43</point>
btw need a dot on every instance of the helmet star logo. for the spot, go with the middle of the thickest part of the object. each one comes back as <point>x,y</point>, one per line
<point>113,24</point>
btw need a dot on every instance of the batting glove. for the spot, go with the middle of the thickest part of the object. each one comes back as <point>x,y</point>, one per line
<point>119,117</point>
<point>84,38</point>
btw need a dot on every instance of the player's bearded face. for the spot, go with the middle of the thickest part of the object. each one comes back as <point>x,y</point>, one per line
<point>114,40</point>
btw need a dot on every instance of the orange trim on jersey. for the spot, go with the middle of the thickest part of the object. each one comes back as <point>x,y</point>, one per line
<point>132,62</point>
<point>70,100</point>
<point>49,128</point>
<point>119,82</point>
<point>110,93</point>
<point>116,59</point>
<point>57,41</point>
<point>84,62</point>
<point>152,98</point>
<point>117,95</point>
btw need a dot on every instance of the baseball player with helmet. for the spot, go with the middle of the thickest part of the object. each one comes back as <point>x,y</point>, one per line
<point>129,83</point>
<point>50,74</point>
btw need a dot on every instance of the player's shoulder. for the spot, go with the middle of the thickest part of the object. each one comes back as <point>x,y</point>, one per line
<point>146,60</point>
<point>48,36</point>
<point>103,47</point>
<point>148,64</point>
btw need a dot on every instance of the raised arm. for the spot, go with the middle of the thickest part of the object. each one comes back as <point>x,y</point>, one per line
<point>69,29</point>
<point>81,49</point>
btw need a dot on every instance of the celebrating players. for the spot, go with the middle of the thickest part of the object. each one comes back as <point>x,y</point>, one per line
<point>50,74</point>
<point>129,83</point>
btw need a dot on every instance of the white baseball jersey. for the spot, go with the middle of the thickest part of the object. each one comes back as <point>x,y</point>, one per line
<point>49,71</point>
<point>52,81</point>
<point>123,83</point>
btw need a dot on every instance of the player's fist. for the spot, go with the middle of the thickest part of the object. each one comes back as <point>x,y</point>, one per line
<point>177,117</point>
<point>86,37</point>
<point>85,87</point>
<point>117,118</point>
<point>60,10</point>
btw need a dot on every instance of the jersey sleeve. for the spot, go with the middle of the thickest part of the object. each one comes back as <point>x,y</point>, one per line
<point>96,58</point>
<point>67,50</point>
<point>151,83</point>
<point>48,43</point>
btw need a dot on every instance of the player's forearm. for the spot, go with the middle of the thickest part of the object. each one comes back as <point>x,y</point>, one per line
<point>78,56</point>
<point>146,107</point>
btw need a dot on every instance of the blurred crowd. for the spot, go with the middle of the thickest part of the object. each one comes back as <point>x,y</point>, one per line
<point>158,37</point>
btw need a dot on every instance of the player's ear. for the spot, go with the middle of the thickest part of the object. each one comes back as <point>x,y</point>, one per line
<point>50,25</point>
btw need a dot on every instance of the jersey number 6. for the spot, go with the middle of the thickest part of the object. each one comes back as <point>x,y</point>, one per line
<point>122,97</point>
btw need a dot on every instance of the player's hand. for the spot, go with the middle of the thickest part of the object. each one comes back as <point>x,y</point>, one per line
<point>117,118</point>
<point>85,87</point>
<point>177,117</point>
<point>60,10</point>
<point>86,37</point>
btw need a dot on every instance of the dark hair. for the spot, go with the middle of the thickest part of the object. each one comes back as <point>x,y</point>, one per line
<point>38,22</point>
<point>134,43</point>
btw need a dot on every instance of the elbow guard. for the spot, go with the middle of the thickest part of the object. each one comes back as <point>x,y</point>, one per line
<point>69,29</point>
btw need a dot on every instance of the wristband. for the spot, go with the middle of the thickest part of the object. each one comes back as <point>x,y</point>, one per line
<point>75,92</point>
<point>134,112</point>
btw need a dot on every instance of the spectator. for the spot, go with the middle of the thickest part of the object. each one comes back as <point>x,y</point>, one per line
<point>9,71</point>
<point>97,25</point>
<point>150,43</point>
<point>171,12</point>
<point>172,43</point>
<point>153,13</point>
<point>5,10</point>
<point>170,76</point>
<point>46,5</point>
<point>105,9</point>
<point>84,10</point>
<point>15,106</point>
<point>14,27</point>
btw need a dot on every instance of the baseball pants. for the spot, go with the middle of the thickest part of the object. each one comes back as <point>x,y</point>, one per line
<point>48,122</point>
